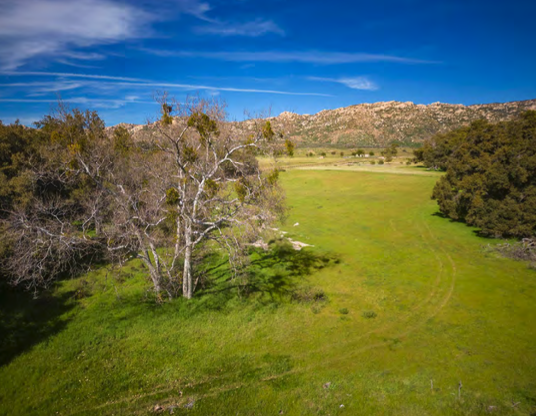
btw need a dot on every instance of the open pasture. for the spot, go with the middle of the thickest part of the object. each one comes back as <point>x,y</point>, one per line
<point>395,310</point>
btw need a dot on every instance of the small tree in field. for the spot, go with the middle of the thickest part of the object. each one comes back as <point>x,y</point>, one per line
<point>214,189</point>
<point>390,151</point>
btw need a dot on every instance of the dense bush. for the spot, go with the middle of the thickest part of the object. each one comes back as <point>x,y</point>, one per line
<point>369,314</point>
<point>307,294</point>
<point>491,175</point>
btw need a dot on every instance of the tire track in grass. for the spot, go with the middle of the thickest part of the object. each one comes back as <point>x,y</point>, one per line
<point>420,324</point>
<point>414,311</point>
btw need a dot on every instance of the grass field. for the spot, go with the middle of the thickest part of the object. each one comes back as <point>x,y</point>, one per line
<point>414,307</point>
<point>333,156</point>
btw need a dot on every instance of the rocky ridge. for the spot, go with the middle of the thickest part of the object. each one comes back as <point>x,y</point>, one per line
<point>377,124</point>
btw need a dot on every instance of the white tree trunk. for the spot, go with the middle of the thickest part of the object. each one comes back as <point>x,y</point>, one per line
<point>155,275</point>
<point>187,284</point>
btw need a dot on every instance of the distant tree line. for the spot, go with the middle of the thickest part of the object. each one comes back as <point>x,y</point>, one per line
<point>490,179</point>
<point>73,194</point>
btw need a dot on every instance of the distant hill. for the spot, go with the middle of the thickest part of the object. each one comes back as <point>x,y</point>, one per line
<point>374,125</point>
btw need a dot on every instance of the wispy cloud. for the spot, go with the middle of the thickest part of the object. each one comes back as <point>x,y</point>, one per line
<point>195,8</point>
<point>64,30</point>
<point>104,80</point>
<point>356,83</point>
<point>75,64</point>
<point>70,75</point>
<point>56,28</point>
<point>314,57</point>
<point>45,87</point>
<point>255,28</point>
<point>215,26</point>
<point>95,102</point>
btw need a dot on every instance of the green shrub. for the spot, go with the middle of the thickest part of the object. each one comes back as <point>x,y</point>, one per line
<point>316,309</point>
<point>380,162</point>
<point>307,294</point>
<point>344,311</point>
<point>369,314</point>
<point>491,175</point>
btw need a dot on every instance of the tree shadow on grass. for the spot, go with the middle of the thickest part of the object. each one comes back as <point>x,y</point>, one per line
<point>441,215</point>
<point>476,231</point>
<point>271,276</point>
<point>25,321</point>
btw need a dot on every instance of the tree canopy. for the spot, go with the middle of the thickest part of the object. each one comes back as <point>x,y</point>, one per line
<point>490,179</point>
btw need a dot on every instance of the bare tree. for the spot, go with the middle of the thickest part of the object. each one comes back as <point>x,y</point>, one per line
<point>215,188</point>
<point>43,225</point>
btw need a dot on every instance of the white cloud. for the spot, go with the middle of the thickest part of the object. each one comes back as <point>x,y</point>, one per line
<point>52,28</point>
<point>356,83</point>
<point>70,75</point>
<point>98,81</point>
<point>95,102</point>
<point>254,28</point>
<point>314,57</point>
<point>61,29</point>
<point>215,26</point>
<point>91,56</point>
<point>196,8</point>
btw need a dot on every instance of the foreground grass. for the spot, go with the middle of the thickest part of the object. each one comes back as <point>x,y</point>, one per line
<point>412,300</point>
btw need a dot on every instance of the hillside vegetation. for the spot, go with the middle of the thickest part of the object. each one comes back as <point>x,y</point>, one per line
<point>381,123</point>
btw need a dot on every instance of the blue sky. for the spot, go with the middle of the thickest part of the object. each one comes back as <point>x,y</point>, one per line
<point>259,56</point>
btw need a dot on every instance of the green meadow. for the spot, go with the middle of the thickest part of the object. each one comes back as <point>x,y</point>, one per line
<point>395,310</point>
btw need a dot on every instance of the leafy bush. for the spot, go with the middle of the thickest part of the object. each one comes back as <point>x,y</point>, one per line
<point>307,294</point>
<point>380,162</point>
<point>344,311</point>
<point>369,314</point>
<point>316,309</point>
<point>491,175</point>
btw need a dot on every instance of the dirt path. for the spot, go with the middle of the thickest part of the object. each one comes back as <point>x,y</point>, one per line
<point>393,169</point>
